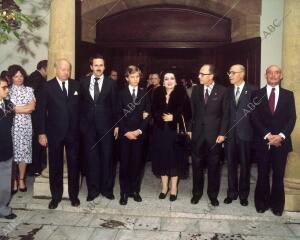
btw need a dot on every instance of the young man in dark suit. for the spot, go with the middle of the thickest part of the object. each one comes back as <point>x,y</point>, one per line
<point>36,80</point>
<point>209,126</point>
<point>273,119</point>
<point>133,110</point>
<point>98,121</point>
<point>58,112</point>
<point>239,136</point>
<point>6,151</point>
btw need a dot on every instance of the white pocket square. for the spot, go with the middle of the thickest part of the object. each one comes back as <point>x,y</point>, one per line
<point>75,93</point>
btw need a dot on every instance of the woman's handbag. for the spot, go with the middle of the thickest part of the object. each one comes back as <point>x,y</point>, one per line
<point>182,138</point>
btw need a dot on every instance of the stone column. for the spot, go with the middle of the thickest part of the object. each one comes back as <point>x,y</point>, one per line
<point>61,45</point>
<point>291,81</point>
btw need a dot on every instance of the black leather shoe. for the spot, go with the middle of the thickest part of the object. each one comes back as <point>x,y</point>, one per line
<point>260,210</point>
<point>137,197</point>
<point>10,216</point>
<point>214,202</point>
<point>195,199</point>
<point>228,200</point>
<point>109,196</point>
<point>173,197</point>
<point>123,199</point>
<point>53,204</point>
<point>277,212</point>
<point>90,198</point>
<point>244,202</point>
<point>75,202</point>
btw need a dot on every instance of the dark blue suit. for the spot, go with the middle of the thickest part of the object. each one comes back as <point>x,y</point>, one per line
<point>59,120</point>
<point>97,122</point>
<point>131,119</point>
<point>264,122</point>
<point>238,143</point>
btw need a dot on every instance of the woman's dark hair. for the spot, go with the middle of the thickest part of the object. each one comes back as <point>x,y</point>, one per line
<point>13,69</point>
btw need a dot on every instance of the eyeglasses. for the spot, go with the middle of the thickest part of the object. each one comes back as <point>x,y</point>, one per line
<point>205,74</point>
<point>233,73</point>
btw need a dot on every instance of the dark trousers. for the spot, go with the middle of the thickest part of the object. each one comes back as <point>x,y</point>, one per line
<point>209,152</point>
<point>238,151</point>
<point>130,165</point>
<point>266,196</point>
<point>56,167</point>
<point>99,173</point>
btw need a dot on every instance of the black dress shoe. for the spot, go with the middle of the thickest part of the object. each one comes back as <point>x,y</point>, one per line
<point>162,195</point>
<point>53,204</point>
<point>214,202</point>
<point>173,197</point>
<point>10,216</point>
<point>277,212</point>
<point>244,202</point>
<point>13,192</point>
<point>137,197</point>
<point>90,198</point>
<point>123,199</point>
<point>109,196</point>
<point>228,200</point>
<point>195,199</point>
<point>260,210</point>
<point>75,202</point>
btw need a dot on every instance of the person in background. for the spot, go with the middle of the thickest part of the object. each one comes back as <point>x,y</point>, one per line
<point>23,99</point>
<point>6,150</point>
<point>36,80</point>
<point>169,107</point>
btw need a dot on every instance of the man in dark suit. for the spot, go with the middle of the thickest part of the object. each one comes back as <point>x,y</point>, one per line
<point>6,151</point>
<point>58,113</point>
<point>239,136</point>
<point>209,126</point>
<point>133,105</point>
<point>36,80</point>
<point>273,119</point>
<point>98,126</point>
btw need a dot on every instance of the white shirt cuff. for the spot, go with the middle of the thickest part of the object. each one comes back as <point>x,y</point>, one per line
<point>266,136</point>
<point>282,135</point>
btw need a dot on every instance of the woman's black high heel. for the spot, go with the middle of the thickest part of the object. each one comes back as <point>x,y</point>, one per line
<point>163,195</point>
<point>23,189</point>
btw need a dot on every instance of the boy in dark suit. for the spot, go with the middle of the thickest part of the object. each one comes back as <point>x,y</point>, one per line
<point>133,111</point>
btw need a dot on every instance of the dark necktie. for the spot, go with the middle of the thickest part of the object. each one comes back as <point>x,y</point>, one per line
<point>133,95</point>
<point>64,89</point>
<point>206,95</point>
<point>96,89</point>
<point>237,95</point>
<point>3,106</point>
<point>272,101</point>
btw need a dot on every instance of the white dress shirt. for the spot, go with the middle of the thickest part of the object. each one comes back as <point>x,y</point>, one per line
<point>210,88</point>
<point>269,90</point>
<point>131,90</point>
<point>92,84</point>
<point>61,86</point>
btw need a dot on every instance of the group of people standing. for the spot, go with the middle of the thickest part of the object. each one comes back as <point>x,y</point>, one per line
<point>94,112</point>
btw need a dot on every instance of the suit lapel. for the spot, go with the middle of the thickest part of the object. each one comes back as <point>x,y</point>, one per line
<point>265,100</point>
<point>279,103</point>
<point>58,89</point>
<point>86,88</point>
<point>71,89</point>
<point>242,95</point>
<point>104,89</point>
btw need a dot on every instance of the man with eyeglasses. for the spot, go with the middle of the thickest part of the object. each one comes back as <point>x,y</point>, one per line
<point>273,120</point>
<point>6,151</point>
<point>239,137</point>
<point>209,126</point>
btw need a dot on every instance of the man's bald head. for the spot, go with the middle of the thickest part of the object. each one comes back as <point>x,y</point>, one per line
<point>273,75</point>
<point>62,69</point>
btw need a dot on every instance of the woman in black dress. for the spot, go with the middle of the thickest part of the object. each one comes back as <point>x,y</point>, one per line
<point>170,103</point>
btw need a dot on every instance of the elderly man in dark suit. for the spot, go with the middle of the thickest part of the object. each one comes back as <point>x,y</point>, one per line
<point>239,136</point>
<point>98,126</point>
<point>209,126</point>
<point>36,80</point>
<point>6,151</point>
<point>274,119</point>
<point>58,112</point>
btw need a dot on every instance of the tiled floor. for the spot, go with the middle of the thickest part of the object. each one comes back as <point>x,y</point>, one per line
<point>151,219</point>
